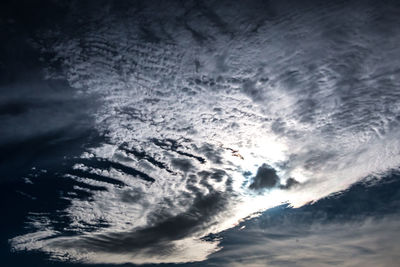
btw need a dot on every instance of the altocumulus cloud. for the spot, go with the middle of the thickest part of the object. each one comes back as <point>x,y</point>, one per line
<point>308,89</point>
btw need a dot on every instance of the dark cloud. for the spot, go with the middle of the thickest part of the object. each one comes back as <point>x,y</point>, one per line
<point>175,146</point>
<point>165,227</point>
<point>278,126</point>
<point>211,153</point>
<point>143,155</point>
<point>216,175</point>
<point>96,177</point>
<point>107,165</point>
<point>290,182</point>
<point>36,124</point>
<point>39,117</point>
<point>132,196</point>
<point>250,89</point>
<point>265,178</point>
<point>26,112</point>
<point>157,237</point>
<point>184,165</point>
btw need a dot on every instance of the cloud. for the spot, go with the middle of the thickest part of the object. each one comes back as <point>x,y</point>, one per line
<point>162,238</point>
<point>312,97</point>
<point>265,178</point>
<point>184,165</point>
<point>211,153</point>
<point>290,182</point>
<point>203,209</point>
<point>369,243</point>
<point>357,227</point>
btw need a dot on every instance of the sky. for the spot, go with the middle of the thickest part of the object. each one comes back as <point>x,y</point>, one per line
<point>204,133</point>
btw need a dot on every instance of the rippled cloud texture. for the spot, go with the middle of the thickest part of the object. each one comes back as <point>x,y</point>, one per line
<point>210,112</point>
